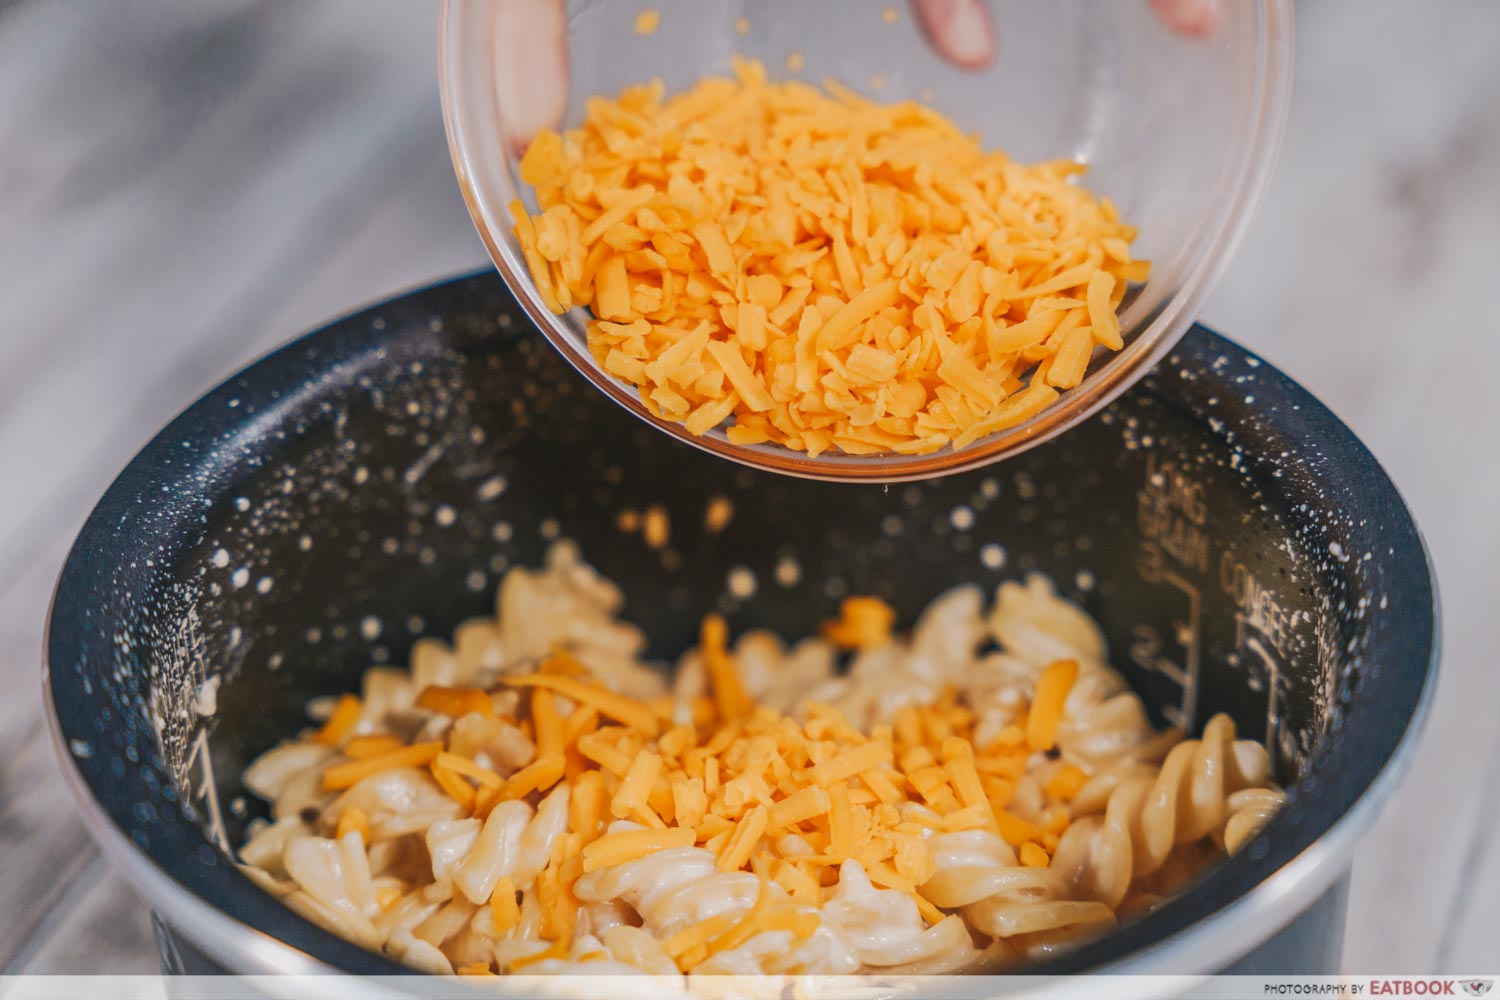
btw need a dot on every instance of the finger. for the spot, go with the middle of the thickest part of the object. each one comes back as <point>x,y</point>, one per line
<point>960,30</point>
<point>1193,18</point>
<point>531,68</point>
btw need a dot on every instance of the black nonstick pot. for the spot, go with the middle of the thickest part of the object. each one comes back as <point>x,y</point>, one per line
<point>368,483</point>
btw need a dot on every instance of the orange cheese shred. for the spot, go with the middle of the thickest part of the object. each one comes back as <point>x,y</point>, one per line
<point>455,701</point>
<point>801,805</point>
<point>365,747</point>
<point>863,623</point>
<point>629,845</point>
<point>743,840</point>
<point>1034,856</point>
<point>615,706</point>
<point>724,678</point>
<point>630,798</point>
<point>849,763</point>
<point>1014,830</point>
<point>353,820</point>
<point>549,726</point>
<point>456,788</point>
<point>1052,689</point>
<point>538,776</point>
<point>466,767</point>
<point>504,909</point>
<point>586,804</point>
<point>474,969</point>
<point>1066,782</point>
<point>341,776</point>
<point>341,722</point>
<point>958,759</point>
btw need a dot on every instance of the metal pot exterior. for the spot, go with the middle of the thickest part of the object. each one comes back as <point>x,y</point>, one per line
<point>370,482</point>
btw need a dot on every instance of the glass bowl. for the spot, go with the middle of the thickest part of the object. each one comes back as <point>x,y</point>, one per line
<point>1180,132</point>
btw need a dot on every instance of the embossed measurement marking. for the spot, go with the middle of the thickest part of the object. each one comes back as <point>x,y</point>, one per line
<point>1265,628</point>
<point>176,710</point>
<point>208,792</point>
<point>1273,684</point>
<point>1150,652</point>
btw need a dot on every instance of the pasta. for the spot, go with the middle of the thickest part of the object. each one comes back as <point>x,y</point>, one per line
<point>1026,909</point>
<point>533,797</point>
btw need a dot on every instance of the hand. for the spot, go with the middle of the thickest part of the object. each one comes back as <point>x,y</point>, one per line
<point>533,82</point>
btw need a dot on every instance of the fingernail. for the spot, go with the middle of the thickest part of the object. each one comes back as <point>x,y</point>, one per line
<point>1193,18</point>
<point>960,30</point>
<point>531,68</point>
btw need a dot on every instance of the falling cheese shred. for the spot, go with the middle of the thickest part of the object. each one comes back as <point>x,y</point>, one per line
<point>818,270</point>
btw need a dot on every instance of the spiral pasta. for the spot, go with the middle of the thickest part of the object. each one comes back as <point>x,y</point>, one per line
<point>675,890</point>
<point>531,797</point>
<point>1133,814</point>
<point>1026,908</point>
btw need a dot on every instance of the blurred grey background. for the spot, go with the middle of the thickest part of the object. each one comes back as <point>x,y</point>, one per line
<point>184,185</point>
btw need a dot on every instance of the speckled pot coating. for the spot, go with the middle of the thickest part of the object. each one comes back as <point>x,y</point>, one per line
<point>370,482</point>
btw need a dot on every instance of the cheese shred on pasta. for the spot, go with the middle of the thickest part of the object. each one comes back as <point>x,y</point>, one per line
<point>966,793</point>
<point>820,270</point>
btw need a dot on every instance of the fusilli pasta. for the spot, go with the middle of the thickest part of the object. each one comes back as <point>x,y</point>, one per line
<point>534,797</point>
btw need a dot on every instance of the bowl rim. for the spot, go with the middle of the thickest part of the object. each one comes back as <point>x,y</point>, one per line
<point>1202,946</point>
<point>1260,143</point>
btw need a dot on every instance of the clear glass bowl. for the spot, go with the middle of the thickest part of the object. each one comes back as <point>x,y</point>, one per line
<point>1181,133</point>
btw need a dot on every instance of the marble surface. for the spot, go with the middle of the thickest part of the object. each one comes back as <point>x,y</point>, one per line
<point>183,186</point>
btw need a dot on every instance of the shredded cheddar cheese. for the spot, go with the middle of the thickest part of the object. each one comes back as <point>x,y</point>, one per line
<point>353,820</point>
<point>341,722</point>
<point>456,788</point>
<point>863,623</point>
<point>729,695</point>
<point>1052,689</point>
<point>628,845</point>
<point>630,800</point>
<point>559,907</point>
<point>1066,782</point>
<point>722,773</point>
<point>474,969</point>
<point>455,701</point>
<point>1034,856</point>
<point>504,909</point>
<point>736,853</point>
<point>466,767</point>
<point>558,949</point>
<point>647,21</point>
<point>849,763</point>
<point>364,747</point>
<point>820,270</point>
<point>342,776</point>
<point>608,703</point>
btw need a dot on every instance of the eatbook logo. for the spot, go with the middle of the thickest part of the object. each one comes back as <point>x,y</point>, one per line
<point>1477,987</point>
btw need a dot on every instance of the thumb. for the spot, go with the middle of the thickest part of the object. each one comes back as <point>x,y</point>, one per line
<point>960,30</point>
<point>531,66</point>
<point>1194,18</point>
